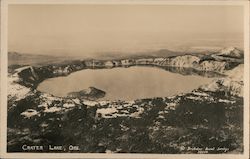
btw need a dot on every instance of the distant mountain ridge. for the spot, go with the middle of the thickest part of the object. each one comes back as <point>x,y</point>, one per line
<point>15,58</point>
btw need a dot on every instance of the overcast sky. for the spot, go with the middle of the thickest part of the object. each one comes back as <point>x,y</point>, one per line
<point>86,29</point>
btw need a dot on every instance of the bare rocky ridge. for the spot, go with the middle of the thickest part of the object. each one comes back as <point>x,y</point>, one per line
<point>208,116</point>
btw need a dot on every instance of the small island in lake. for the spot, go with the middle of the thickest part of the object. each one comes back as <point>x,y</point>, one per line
<point>90,93</point>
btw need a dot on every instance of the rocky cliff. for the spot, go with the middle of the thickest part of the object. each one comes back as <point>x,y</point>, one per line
<point>231,85</point>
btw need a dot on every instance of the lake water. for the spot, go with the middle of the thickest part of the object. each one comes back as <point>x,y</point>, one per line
<point>125,83</point>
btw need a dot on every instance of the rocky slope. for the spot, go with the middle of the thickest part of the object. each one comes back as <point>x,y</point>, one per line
<point>210,116</point>
<point>231,85</point>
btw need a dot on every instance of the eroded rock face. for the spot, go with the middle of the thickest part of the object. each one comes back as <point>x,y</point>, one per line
<point>231,52</point>
<point>210,116</point>
<point>230,85</point>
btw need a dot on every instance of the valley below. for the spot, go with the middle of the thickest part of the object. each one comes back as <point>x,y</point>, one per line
<point>208,116</point>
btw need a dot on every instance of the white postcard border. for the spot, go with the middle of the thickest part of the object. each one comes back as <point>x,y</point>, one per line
<point>4,59</point>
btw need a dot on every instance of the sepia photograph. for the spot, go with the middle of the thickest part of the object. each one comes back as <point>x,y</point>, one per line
<point>148,78</point>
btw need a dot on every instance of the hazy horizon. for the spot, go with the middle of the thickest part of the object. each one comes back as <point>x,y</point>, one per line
<point>87,30</point>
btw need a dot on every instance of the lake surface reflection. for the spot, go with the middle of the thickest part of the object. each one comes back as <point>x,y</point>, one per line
<point>130,83</point>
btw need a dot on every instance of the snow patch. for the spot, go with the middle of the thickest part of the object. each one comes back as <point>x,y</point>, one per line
<point>90,103</point>
<point>77,101</point>
<point>15,90</point>
<point>226,101</point>
<point>200,94</point>
<point>52,109</point>
<point>105,111</point>
<point>29,113</point>
<point>68,105</point>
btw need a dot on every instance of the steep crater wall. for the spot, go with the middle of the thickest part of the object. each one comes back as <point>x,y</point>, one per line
<point>186,64</point>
